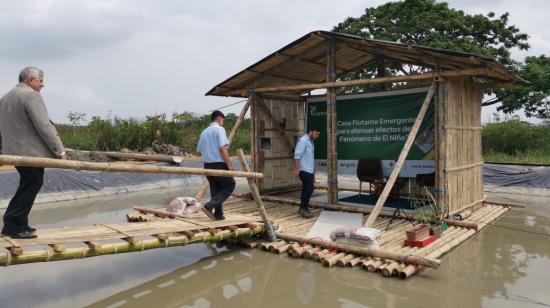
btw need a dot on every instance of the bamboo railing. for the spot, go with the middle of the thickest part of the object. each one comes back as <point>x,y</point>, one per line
<point>119,167</point>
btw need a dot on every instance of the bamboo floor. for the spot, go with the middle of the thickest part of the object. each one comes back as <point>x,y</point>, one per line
<point>147,231</point>
<point>287,221</point>
<point>103,239</point>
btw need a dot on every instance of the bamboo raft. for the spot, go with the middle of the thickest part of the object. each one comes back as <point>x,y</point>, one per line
<point>392,259</point>
<point>104,239</point>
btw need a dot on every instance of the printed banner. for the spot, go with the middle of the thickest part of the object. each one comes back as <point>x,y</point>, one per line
<point>376,126</point>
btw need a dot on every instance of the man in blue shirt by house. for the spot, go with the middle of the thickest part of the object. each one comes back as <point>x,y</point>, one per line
<point>304,167</point>
<point>214,148</point>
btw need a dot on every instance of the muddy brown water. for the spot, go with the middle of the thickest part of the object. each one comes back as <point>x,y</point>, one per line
<point>500,267</point>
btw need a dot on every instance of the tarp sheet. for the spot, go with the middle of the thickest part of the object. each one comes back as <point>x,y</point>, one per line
<point>527,176</point>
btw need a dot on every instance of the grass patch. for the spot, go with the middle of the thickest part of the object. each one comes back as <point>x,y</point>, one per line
<point>114,134</point>
<point>514,141</point>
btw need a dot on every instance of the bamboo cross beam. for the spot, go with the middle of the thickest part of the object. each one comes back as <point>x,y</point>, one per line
<point>404,152</point>
<point>352,83</point>
<point>118,167</point>
<point>259,103</point>
<point>232,135</point>
<point>162,213</point>
<point>362,210</point>
<point>256,195</point>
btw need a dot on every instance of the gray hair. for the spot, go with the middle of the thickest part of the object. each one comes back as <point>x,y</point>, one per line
<point>30,71</point>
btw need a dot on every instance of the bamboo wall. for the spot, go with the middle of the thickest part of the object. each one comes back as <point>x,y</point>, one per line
<point>276,161</point>
<point>462,156</point>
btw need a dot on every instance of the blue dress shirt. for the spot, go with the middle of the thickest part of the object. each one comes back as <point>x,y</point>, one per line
<point>305,153</point>
<point>211,140</point>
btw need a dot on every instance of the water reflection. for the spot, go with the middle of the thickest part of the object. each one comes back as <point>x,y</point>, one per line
<point>487,271</point>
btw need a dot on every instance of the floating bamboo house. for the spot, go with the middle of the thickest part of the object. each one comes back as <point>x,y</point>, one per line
<point>278,89</point>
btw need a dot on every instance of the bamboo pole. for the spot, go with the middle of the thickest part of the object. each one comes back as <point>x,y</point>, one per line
<point>345,260</point>
<point>308,253</point>
<point>162,213</point>
<point>323,205</point>
<point>298,251</point>
<point>137,156</point>
<point>397,168</point>
<point>352,83</point>
<point>332,160</point>
<point>516,205</point>
<point>80,165</point>
<point>355,262</point>
<point>353,209</point>
<point>256,194</point>
<point>200,194</point>
<point>464,167</point>
<point>328,262</point>
<point>363,251</point>
<point>274,245</point>
<point>45,255</point>
<point>441,180</point>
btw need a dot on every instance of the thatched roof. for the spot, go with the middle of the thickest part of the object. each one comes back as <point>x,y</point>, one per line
<point>303,61</point>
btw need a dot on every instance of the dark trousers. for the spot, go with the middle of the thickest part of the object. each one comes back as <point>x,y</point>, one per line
<point>307,189</point>
<point>221,188</point>
<point>16,217</point>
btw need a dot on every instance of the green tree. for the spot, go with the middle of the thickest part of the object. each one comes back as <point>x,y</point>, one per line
<point>435,24</point>
<point>533,97</point>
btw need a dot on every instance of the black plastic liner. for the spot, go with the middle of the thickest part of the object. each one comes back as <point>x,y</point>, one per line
<point>59,181</point>
<point>528,176</point>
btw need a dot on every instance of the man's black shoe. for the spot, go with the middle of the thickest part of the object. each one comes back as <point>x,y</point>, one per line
<point>208,212</point>
<point>30,229</point>
<point>220,217</point>
<point>21,235</point>
<point>305,213</point>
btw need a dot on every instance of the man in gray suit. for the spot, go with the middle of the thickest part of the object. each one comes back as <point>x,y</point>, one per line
<point>26,130</point>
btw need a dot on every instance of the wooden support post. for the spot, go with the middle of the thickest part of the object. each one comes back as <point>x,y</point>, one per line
<point>332,159</point>
<point>397,168</point>
<point>232,134</point>
<point>256,194</point>
<point>260,104</point>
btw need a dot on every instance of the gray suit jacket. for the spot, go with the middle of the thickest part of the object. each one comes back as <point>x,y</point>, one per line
<point>25,127</point>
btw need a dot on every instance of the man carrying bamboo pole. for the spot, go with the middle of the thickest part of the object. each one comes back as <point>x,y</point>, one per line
<point>304,168</point>
<point>26,130</point>
<point>214,148</point>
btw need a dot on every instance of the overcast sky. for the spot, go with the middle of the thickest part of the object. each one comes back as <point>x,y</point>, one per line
<point>137,58</point>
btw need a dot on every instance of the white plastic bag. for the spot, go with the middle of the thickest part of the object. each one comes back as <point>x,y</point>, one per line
<point>183,206</point>
<point>366,237</point>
